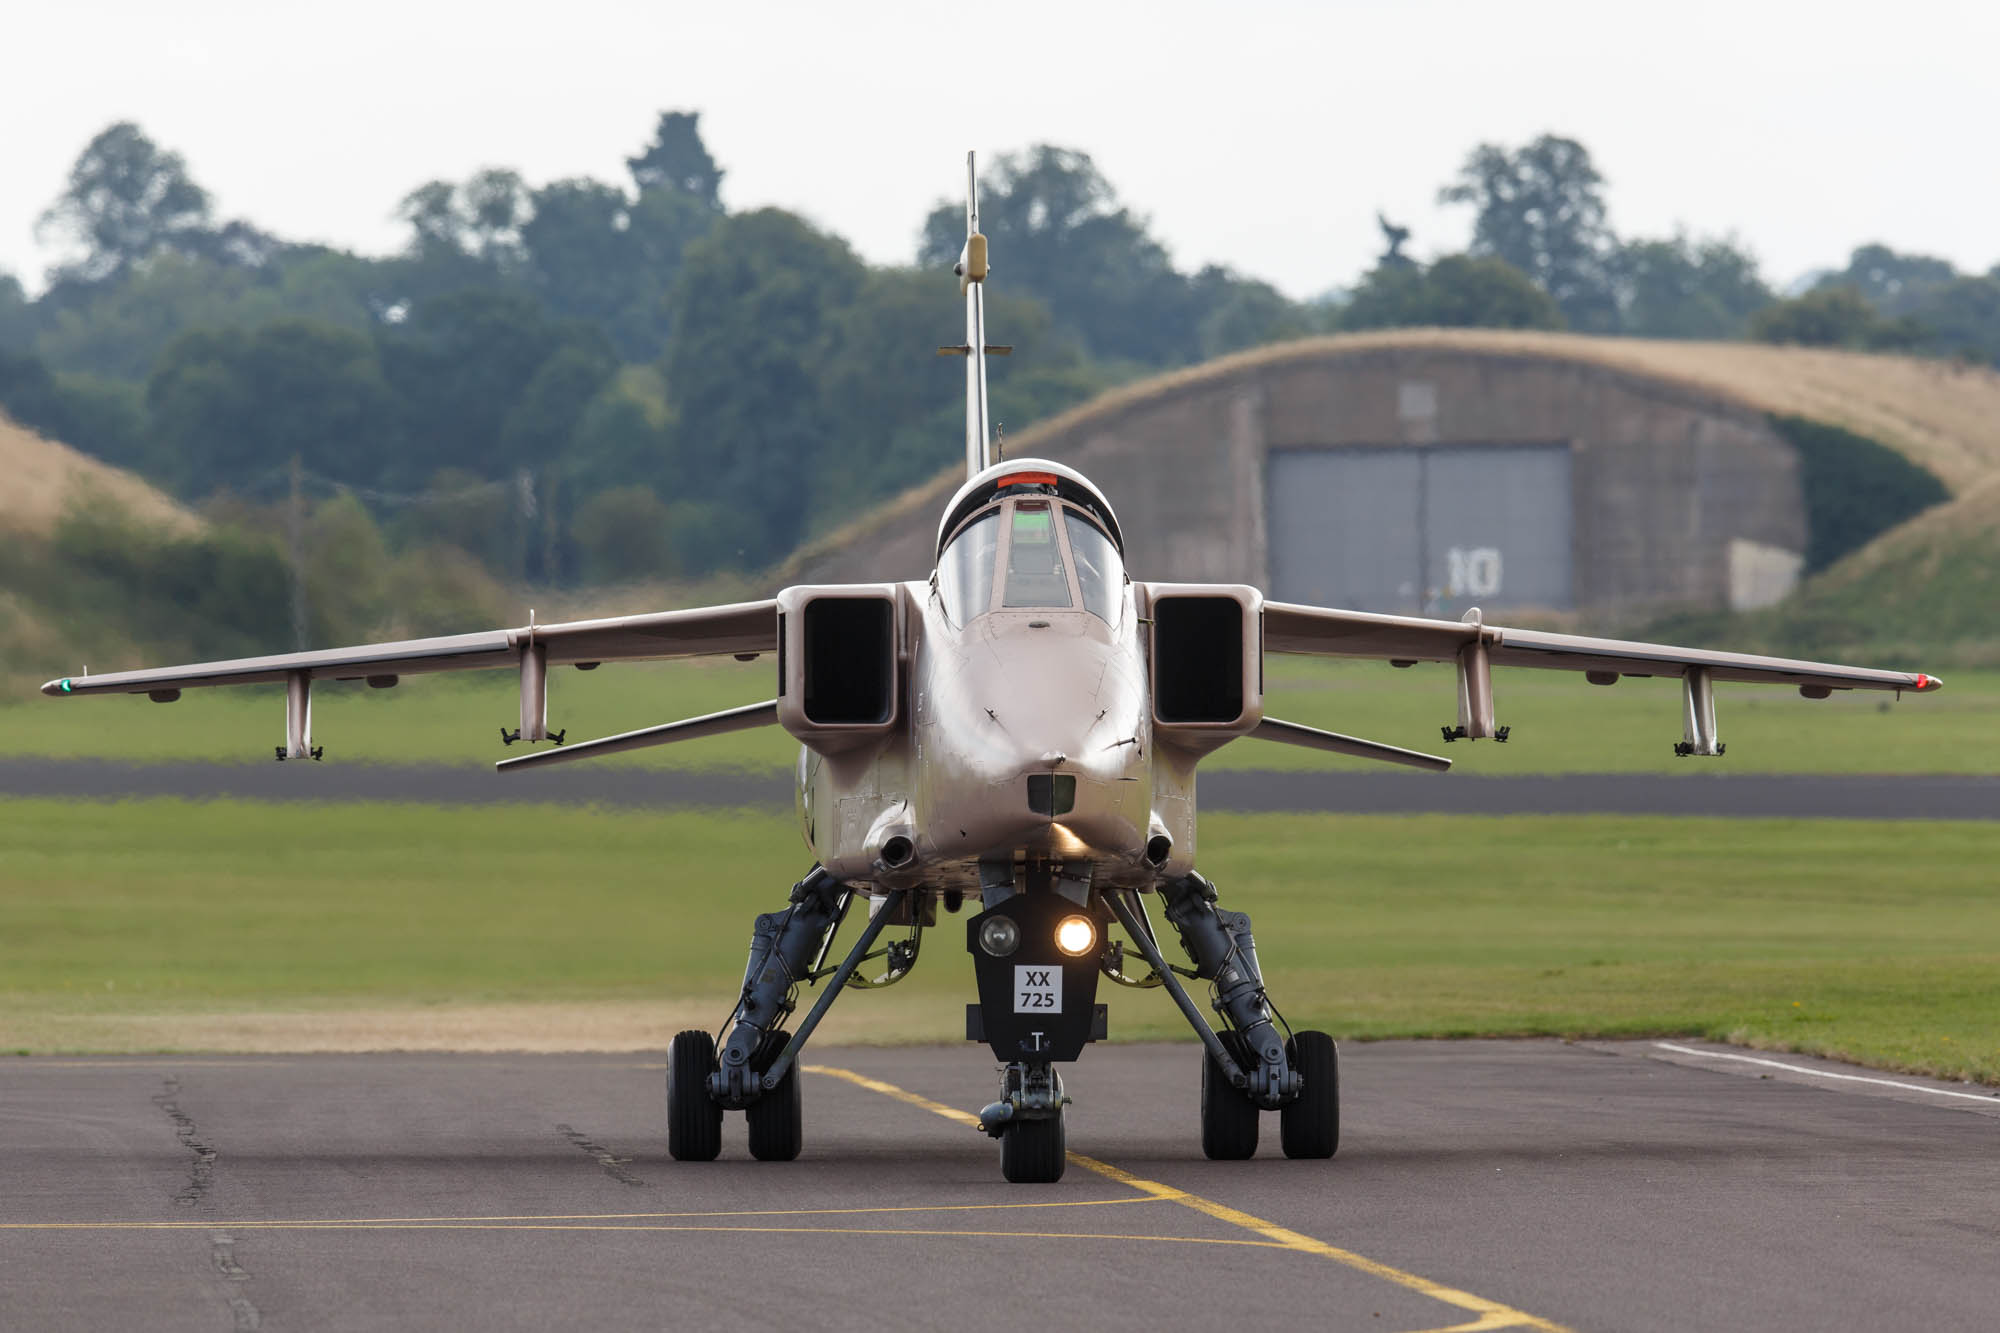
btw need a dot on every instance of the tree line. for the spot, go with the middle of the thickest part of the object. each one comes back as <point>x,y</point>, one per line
<point>585,380</point>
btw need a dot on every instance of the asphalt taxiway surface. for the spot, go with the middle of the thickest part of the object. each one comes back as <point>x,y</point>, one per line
<point>1772,795</point>
<point>1478,1185</point>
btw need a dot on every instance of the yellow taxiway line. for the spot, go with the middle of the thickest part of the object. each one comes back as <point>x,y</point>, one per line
<point>1491,1314</point>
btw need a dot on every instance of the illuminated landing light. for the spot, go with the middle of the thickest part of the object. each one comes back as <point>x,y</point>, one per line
<point>1075,935</point>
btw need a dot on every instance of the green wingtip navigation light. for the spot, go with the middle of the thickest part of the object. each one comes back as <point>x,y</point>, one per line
<point>65,686</point>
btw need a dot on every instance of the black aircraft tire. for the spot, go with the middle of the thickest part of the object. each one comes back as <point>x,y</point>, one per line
<point>1034,1152</point>
<point>694,1121</point>
<point>1310,1126</point>
<point>1228,1116</point>
<point>777,1119</point>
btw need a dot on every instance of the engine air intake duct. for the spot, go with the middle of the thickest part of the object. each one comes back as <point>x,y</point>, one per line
<point>840,664</point>
<point>1198,659</point>
<point>849,660</point>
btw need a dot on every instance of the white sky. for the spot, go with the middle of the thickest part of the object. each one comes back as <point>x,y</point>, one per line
<point>1263,135</point>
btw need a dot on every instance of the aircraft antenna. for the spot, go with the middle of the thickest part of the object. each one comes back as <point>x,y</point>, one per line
<point>971,272</point>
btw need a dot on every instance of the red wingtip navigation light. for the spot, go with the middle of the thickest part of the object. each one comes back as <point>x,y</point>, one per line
<point>1926,683</point>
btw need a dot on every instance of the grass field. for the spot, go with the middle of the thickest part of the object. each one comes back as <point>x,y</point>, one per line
<point>1560,724</point>
<point>146,924</point>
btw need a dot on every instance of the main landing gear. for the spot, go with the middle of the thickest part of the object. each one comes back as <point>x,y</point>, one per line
<point>756,1070</point>
<point>1248,1067</point>
<point>1038,950</point>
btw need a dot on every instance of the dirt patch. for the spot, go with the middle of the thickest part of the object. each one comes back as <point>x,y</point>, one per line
<point>610,1026</point>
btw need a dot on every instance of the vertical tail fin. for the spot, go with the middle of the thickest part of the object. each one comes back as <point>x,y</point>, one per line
<point>971,272</point>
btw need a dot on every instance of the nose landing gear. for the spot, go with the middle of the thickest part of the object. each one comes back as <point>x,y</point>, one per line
<point>1028,1121</point>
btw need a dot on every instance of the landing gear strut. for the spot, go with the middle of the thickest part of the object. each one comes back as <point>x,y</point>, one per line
<point>1028,1121</point>
<point>1248,1067</point>
<point>756,1071</point>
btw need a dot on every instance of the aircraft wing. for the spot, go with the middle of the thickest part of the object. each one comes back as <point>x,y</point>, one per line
<point>1476,648</point>
<point>745,627</point>
<point>1290,628</point>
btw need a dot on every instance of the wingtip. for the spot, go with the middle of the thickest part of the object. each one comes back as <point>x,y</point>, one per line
<point>1927,684</point>
<point>56,689</point>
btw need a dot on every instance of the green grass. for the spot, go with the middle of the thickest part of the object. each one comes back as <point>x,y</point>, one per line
<point>1559,723</point>
<point>1878,942</point>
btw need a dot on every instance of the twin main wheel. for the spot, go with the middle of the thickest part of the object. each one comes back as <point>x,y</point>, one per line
<point>1308,1126</point>
<point>694,1120</point>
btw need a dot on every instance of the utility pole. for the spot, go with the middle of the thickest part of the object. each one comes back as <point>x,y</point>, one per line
<point>549,533</point>
<point>524,522</point>
<point>296,531</point>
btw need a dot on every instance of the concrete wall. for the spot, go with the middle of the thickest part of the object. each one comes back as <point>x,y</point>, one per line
<point>1667,482</point>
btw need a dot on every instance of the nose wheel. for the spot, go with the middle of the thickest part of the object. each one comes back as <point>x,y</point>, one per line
<point>1034,1152</point>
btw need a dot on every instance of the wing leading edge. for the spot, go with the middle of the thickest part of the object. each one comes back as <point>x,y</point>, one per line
<point>1326,631</point>
<point>744,627</point>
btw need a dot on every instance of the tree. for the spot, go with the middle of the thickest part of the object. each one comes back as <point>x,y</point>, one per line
<point>538,428</point>
<point>1541,208</point>
<point>1466,291</point>
<point>1963,318</point>
<point>101,417</point>
<point>1895,284</point>
<point>17,315</point>
<point>1681,288</point>
<point>622,533</point>
<point>677,160</point>
<point>1239,312</point>
<point>229,406</point>
<point>1458,291</point>
<point>624,436</point>
<point>594,253</point>
<point>119,329</point>
<point>750,312</point>
<point>460,363</point>
<point>581,254</point>
<point>126,200</point>
<point>1823,317</point>
<point>1060,234</point>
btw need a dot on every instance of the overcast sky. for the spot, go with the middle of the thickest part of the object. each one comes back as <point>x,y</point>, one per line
<point>1263,136</point>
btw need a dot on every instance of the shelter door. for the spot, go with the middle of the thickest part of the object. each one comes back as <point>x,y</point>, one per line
<point>1422,529</point>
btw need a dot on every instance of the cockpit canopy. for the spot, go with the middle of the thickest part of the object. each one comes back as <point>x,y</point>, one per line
<point>1029,476</point>
<point>1030,550</point>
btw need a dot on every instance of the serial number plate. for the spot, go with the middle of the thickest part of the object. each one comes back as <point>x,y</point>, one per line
<point>1037,990</point>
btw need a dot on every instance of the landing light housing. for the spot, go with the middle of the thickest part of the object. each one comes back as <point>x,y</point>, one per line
<point>999,936</point>
<point>1076,935</point>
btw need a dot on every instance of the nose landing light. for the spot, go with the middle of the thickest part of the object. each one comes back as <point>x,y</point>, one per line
<point>1075,935</point>
<point>999,936</point>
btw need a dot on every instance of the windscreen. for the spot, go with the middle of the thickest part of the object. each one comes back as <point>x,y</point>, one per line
<point>965,570</point>
<point>1100,574</point>
<point>1035,573</point>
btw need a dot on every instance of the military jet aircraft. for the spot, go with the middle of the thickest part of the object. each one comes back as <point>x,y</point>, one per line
<point>1021,729</point>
